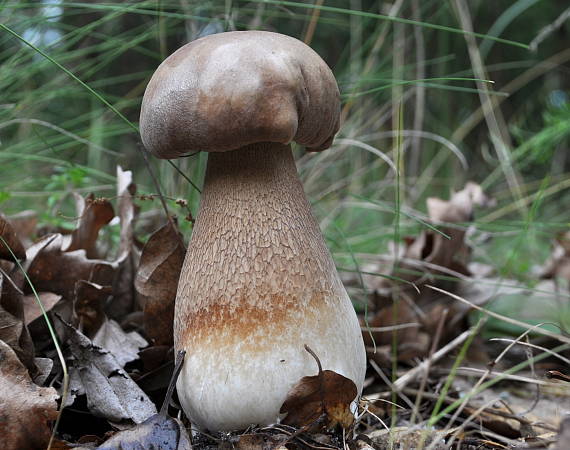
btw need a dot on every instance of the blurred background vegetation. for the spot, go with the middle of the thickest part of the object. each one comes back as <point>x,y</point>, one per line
<point>446,92</point>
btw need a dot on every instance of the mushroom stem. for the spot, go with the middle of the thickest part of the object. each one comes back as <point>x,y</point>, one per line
<point>258,284</point>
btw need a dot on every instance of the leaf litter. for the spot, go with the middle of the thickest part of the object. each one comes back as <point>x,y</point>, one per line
<point>112,311</point>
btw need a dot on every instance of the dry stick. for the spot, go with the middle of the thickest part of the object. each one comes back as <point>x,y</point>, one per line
<point>365,410</point>
<point>513,321</point>
<point>472,416</point>
<point>495,120</point>
<point>528,353</point>
<point>538,347</point>
<point>549,29</point>
<point>177,368</point>
<point>423,381</point>
<point>402,326</point>
<point>412,374</point>
<point>535,328</point>
<point>469,371</point>
<point>492,411</point>
<point>390,384</point>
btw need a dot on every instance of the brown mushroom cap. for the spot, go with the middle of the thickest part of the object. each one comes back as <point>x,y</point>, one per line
<point>228,90</point>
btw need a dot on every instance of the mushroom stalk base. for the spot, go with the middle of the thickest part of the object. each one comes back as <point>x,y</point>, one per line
<point>258,283</point>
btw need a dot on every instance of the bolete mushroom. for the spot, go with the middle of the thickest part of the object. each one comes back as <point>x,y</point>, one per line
<point>258,282</point>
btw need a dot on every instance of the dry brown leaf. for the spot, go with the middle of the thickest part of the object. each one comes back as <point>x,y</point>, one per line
<point>122,345</point>
<point>26,409</point>
<point>157,280</point>
<point>94,214</point>
<point>110,391</point>
<point>13,330</point>
<point>320,401</point>
<point>10,241</point>
<point>50,269</point>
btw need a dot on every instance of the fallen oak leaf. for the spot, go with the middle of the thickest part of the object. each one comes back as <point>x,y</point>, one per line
<point>26,409</point>
<point>320,401</point>
<point>110,391</point>
<point>157,280</point>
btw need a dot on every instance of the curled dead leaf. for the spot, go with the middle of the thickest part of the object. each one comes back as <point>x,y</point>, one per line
<point>320,401</point>
<point>157,280</point>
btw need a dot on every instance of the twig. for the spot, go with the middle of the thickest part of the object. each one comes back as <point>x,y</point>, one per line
<point>549,29</point>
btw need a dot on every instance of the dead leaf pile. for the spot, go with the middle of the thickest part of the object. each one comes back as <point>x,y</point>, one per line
<point>113,338</point>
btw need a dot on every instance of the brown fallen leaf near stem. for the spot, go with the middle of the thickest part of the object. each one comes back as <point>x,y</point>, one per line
<point>320,401</point>
<point>93,214</point>
<point>10,244</point>
<point>13,330</point>
<point>26,410</point>
<point>157,280</point>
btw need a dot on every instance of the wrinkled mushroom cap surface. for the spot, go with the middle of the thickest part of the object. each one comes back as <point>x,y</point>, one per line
<point>228,90</point>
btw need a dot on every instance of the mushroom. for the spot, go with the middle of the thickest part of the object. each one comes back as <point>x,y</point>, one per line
<point>258,282</point>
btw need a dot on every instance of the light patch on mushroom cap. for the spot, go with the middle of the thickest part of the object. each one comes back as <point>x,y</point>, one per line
<point>228,90</point>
